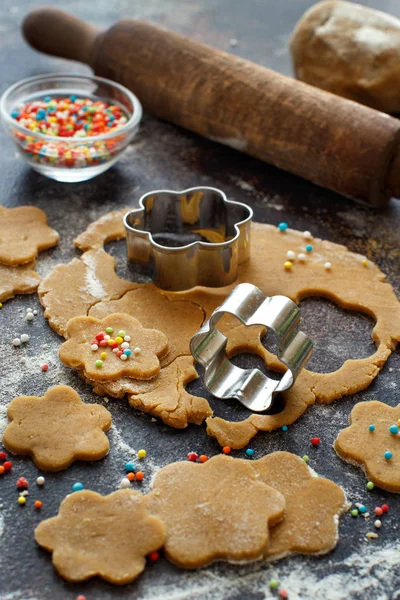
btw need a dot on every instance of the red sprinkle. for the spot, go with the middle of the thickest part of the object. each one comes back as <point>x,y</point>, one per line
<point>378,511</point>
<point>192,456</point>
<point>283,594</point>
<point>153,556</point>
<point>38,504</point>
<point>3,456</point>
<point>226,449</point>
<point>315,441</point>
<point>203,458</point>
<point>22,483</point>
<point>384,507</point>
<point>81,597</point>
<point>7,465</point>
<point>45,367</point>
<point>100,336</point>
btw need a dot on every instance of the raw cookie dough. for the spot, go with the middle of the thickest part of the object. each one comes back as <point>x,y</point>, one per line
<point>145,346</point>
<point>359,445</point>
<point>349,283</point>
<point>313,505</point>
<point>107,228</point>
<point>70,290</point>
<point>24,233</point>
<point>108,536</point>
<point>179,319</point>
<point>57,429</point>
<point>350,50</point>
<point>17,280</point>
<point>218,510</point>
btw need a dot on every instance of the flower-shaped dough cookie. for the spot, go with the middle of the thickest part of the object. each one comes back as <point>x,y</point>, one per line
<point>108,536</point>
<point>372,441</point>
<point>57,429</point>
<point>218,510</point>
<point>114,347</point>
<point>24,232</point>
<point>17,280</point>
<point>313,505</point>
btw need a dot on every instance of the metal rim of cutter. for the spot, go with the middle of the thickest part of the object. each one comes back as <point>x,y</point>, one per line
<point>251,387</point>
<point>176,269</point>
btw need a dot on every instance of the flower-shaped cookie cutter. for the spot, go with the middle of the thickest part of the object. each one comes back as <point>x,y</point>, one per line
<point>192,237</point>
<point>251,387</point>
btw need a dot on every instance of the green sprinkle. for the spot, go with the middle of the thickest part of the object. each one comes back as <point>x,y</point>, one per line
<point>109,330</point>
<point>306,458</point>
<point>99,363</point>
<point>354,512</point>
<point>121,334</point>
<point>274,584</point>
<point>370,485</point>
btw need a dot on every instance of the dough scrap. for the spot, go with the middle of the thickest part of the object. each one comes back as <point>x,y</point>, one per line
<point>17,280</point>
<point>71,289</point>
<point>57,429</point>
<point>178,319</point>
<point>313,505</point>
<point>107,228</point>
<point>349,50</point>
<point>24,233</point>
<point>217,510</point>
<point>108,536</point>
<point>77,353</point>
<point>360,446</point>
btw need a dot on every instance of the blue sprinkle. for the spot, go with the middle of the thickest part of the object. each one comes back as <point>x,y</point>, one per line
<point>86,126</point>
<point>284,428</point>
<point>309,248</point>
<point>283,226</point>
<point>128,352</point>
<point>77,487</point>
<point>72,98</point>
<point>394,429</point>
<point>47,99</point>
<point>15,114</point>
<point>130,467</point>
<point>371,427</point>
<point>110,124</point>
<point>250,452</point>
<point>111,118</point>
<point>362,509</point>
<point>388,455</point>
<point>40,115</point>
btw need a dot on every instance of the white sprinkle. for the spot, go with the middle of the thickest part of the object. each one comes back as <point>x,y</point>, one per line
<point>107,337</point>
<point>371,535</point>
<point>24,338</point>
<point>35,312</point>
<point>290,255</point>
<point>24,493</point>
<point>23,360</point>
<point>125,345</point>
<point>125,483</point>
<point>40,480</point>
<point>28,310</point>
<point>127,338</point>
<point>378,524</point>
<point>29,317</point>
<point>115,350</point>
<point>45,346</point>
<point>233,43</point>
<point>16,342</point>
<point>307,235</point>
<point>136,350</point>
<point>94,347</point>
<point>328,266</point>
<point>123,357</point>
<point>302,257</point>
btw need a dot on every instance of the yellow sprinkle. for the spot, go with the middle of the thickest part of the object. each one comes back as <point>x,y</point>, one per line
<point>365,263</point>
<point>21,500</point>
<point>118,340</point>
<point>287,265</point>
<point>110,342</point>
<point>142,454</point>
<point>103,355</point>
<point>398,422</point>
<point>1,305</point>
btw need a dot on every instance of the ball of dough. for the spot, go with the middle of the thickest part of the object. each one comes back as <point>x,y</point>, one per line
<point>351,51</point>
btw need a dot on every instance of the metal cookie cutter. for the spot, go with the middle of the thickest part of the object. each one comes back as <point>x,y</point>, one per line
<point>193,237</point>
<point>250,386</point>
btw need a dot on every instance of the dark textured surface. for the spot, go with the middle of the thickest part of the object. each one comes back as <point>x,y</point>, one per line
<point>164,156</point>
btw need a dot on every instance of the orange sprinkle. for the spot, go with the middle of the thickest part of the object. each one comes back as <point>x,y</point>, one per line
<point>38,504</point>
<point>226,449</point>
<point>203,458</point>
<point>139,476</point>
<point>130,476</point>
<point>2,470</point>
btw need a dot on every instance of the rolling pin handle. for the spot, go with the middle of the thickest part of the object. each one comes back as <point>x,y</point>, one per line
<point>56,32</point>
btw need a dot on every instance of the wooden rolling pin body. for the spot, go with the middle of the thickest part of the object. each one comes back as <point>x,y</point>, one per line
<point>331,141</point>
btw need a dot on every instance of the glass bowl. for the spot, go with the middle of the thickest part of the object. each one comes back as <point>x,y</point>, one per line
<point>70,159</point>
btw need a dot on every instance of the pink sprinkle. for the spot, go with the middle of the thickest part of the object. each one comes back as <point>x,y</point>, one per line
<point>283,594</point>
<point>44,367</point>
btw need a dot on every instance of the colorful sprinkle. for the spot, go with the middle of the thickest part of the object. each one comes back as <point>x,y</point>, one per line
<point>287,265</point>
<point>3,455</point>
<point>131,476</point>
<point>388,455</point>
<point>283,594</point>
<point>394,429</point>
<point>130,467</point>
<point>370,486</point>
<point>139,476</point>
<point>122,334</point>
<point>153,556</point>
<point>290,255</point>
<point>142,453</point>
<point>274,584</point>
<point>284,427</point>
<point>309,248</point>
<point>16,342</point>
<point>24,338</point>
<point>307,235</point>
<point>371,427</point>
<point>362,509</point>
<point>99,364</point>
<point>77,486</point>
<point>306,458</point>
<point>192,456</point>
<point>385,508</point>
<point>203,458</point>
<point>45,367</point>
<point>40,480</point>
<point>250,452</point>
<point>302,257</point>
<point>365,263</point>
<point>354,512</point>
<point>2,470</point>
<point>119,340</point>
<point>94,347</point>
<point>328,266</point>
<point>127,338</point>
<point>109,330</point>
<point>21,500</point>
<point>22,483</point>
<point>378,524</point>
<point>123,356</point>
<point>283,226</point>
<point>226,449</point>
<point>38,504</point>
<point>315,441</point>
<point>378,511</point>
<point>103,356</point>
<point>7,465</point>
<point>125,483</point>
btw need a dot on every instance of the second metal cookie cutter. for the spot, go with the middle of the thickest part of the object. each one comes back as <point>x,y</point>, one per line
<point>250,386</point>
<point>193,237</point>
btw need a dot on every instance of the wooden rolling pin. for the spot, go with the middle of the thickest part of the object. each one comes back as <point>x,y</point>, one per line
<point>333,142</point>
